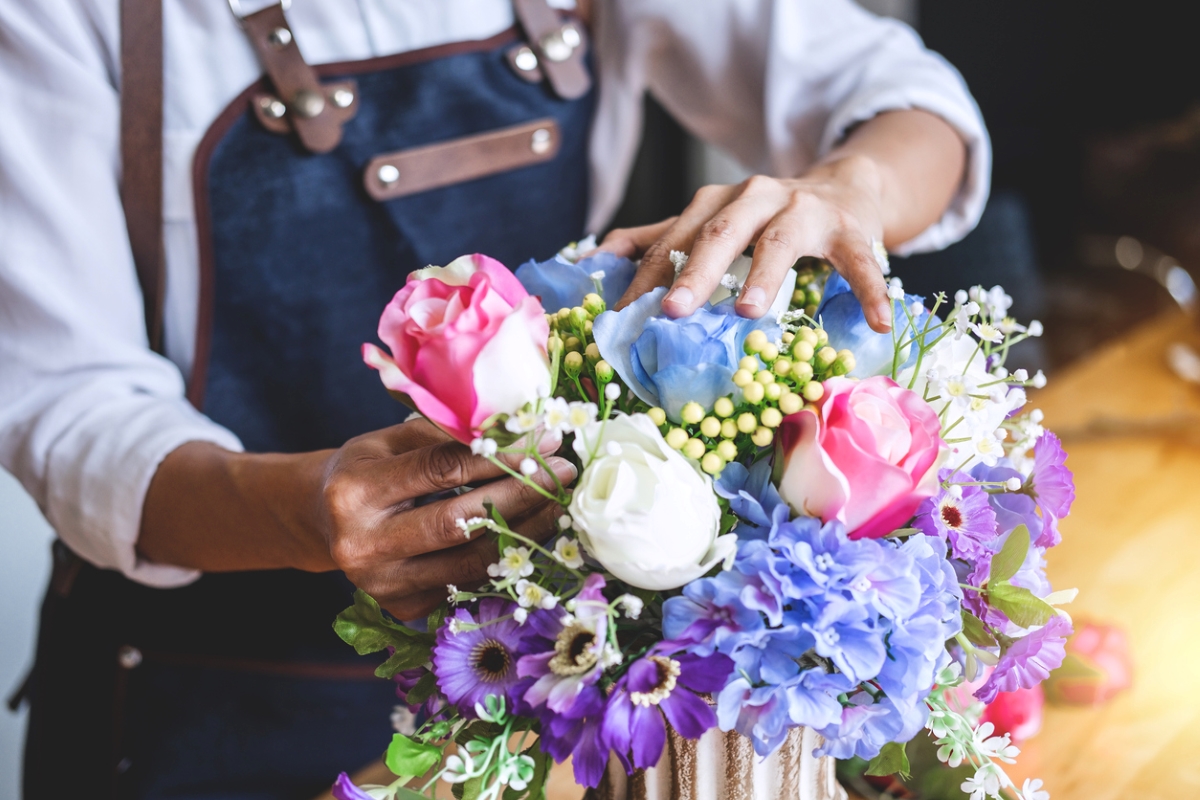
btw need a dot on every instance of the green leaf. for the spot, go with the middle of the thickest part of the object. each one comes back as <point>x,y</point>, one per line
<point>364,627</point>
<point>1010,558</point>
<point>975,631</point>
<point>408,794</point>
<point>423,690</point>
<point>892,760</point>
<point>436,618</point>
<point>1020,605</point>
<point>406,656</point>
<point>469,790</point>
<point>503,540</point>
<point>406,757</point>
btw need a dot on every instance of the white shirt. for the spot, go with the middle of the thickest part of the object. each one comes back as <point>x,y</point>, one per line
<point>87,411</point>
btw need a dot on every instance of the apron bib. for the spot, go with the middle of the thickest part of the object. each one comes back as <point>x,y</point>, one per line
<point>236,686</point>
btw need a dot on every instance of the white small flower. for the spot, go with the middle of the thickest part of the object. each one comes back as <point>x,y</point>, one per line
<point>987,448</point>
<point>998,301</point>
<point>1035,328</point>
<point>881,256</point>
<point>611,656</point>
<point>916,309</point>
<point>984,783</point>
<point>459,767</point>
<point>988,332</point>
<point>999,373</point>
<point>962,321</point>
<point>952,753</point>
<point>564,522</point>
<point>612,392</point>
<point>521,422</point>
<point>520,615</point>
<point>581,414</point>
<point>1036,416</point>
<point>679,260</point>
<point>1021,375</point>
<point>515,561</point>
<point>1032,790</point>
<point>1000,748</point>
<point>956,491</point>
<point>972,308</point>
<point>896,292</point>
<point>556,415</point>
<point>631,604</point>
<point>598,275</point>
<point>452,593</point>
<point>529,467</point>
<point>1038,381</point>
<point>454,626</point>
<point>1008,326</point>
<point>483,447</point>
<point>942,723</point>
<point>960,297</point>
<point>1013,484</point>
<point>730,281</point>
<point>567,553</point>
<point>530,595</point>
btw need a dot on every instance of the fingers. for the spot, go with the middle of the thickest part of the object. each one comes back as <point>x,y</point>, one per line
<point>793,233</point>
<point>632,242</point>
<point>854,259</point>
<point>656,268</point>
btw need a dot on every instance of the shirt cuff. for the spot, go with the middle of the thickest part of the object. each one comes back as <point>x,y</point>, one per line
<point>964,211</point>
<point>102,473</point>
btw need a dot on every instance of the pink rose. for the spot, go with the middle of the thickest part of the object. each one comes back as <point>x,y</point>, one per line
<point>467,342</point>
<point>866,457</point>
<point>1098,666</point>
<point>1017,713</point>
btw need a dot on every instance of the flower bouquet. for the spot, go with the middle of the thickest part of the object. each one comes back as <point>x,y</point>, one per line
<point>790,529</point>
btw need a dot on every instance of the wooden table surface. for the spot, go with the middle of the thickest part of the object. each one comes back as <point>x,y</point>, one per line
<point>1132,547</point>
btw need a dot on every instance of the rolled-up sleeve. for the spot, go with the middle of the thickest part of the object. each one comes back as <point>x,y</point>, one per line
<point>779,83</point>
<point>87,411</point>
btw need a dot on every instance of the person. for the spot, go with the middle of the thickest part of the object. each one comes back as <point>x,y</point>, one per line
<point>219,489</point>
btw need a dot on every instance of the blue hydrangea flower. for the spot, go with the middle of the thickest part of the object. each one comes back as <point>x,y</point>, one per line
<point>561,284</point>
<point>753,498</point>
<point>669,362</point>
<point>841,315</point>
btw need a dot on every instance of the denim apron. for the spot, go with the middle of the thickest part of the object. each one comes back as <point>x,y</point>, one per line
<point>236,686</point>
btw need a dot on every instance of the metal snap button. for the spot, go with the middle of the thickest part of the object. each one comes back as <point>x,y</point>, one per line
<point>308,104</point>
<point>279,38</point>
<point>541,141</point>
<point>555,46</point>
<point>388,174</point>
<point>525,60</point>
<point>272,107</point>
<point>570,35</point>
<point>129,657</point>
<point>342,98</point>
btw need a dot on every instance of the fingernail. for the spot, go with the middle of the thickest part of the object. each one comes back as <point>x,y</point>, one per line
<point>883,315</point>
<point>564,469</point>
<point>755,296</point>
<point>680,296</point>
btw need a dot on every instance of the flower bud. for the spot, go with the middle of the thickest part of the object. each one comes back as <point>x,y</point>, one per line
<point>723,407</point>
<point>773,391</point>
<point>729,430</point>
<point>592,353</point>
<point>787,337</point>
<point>564,314</point>
<point>771,417</point>
<point>763,437</point>
<point>814,297</point>
<point>574,344</point>
<point>769,353</point>
<point>587,327</point>
<point>781,367</point>
<point>813,391</point>
<point>764,377</point>
<point>798,297</point>
<point>692,413</point>
<point>593,304</point>
<point>826,356</point>
<point>791,403</point>
<point>710,427</point>
<point>572,363</point>
<point>802,373</point>
<point>747,422</point>
<point>742,378</point>
<point>712,463</point>
<point>604,371</point>
<point>756,340</point>
<point>749,363</point>
<point>753,392</point>
<point>578,316</point>
<point>727,450</point>
<point>555,346</point>
<point>612,392</point>
<point>676,438</point>
<point>694,449</point>
<point>808,336</point>
<point>822,337</point>
<point>846,359</point>
<point>657,416</point>
<point>802,350</point>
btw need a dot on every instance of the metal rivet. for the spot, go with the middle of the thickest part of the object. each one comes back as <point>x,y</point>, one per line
<point>388,174</point>
<point>308,104</point>
<point>525,60</point>
<point>129,657</point>
<point>279,38</point>
<point>555,46</point>
<point>570,35</point>
<point>541,141</point>
<point>342,98</point>
<point>272,107</point>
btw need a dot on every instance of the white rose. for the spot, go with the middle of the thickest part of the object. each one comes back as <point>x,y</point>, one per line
<point>644,511</point>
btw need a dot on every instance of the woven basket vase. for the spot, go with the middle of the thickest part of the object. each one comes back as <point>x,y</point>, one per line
<point>723,766</point>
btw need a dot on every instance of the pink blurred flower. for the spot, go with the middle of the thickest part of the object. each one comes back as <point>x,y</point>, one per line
<point>1097,667</point>
<point>867,457</point>
<point>467,342</point>
<point>1019,713</point>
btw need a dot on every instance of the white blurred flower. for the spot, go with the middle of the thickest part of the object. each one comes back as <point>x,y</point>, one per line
<point>1013,484</point>
<point>520,615</point>
<point>530,595</point>
<point>984,783</point>
<point>564,521</point>
<point>521,422</point>
<point>896,292</point>
<point>679,260</point>
<point>483,447</point>
<point>567,553</point>
<point>999,748</point>
<point>960,297</point>
<point>451,593</point>
<point>1008,326</point>
<point>529,467</point>
<point>1038,381</point>
<point>1035,328</point>
<point>1021,375</point>
<point>515,561</point>
<point>987,448</point>
<point>612,392</point>
<point>581,414</point>
<point>988,332</point>
<point>881,256</point>
<point>631,604</point>
<point>1032,790</point>
<point>598,275</point>
<point>556,415</point>
<point>998,302</point>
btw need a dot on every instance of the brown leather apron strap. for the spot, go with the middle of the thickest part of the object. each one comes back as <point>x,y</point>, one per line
<point>559,47</point>
<point>142,152</point>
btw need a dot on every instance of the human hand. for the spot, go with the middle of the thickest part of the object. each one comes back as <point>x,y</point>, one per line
<point>833,212</point>
<point>403,554</point>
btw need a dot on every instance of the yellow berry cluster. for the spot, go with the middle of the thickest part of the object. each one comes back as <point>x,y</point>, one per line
<point>572,345</point>
<point>807,294</point>
<point>773,381</point>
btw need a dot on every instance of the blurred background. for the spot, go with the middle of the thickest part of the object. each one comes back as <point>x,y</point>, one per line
<point>1094,222</point>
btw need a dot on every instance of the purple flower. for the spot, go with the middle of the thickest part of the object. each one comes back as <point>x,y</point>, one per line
<point>1053,486</point>
<point>578,734</point>
<point>758,713</point>
<point>963,517</point>
<point>865,727</point>
<point>660,685</point>
<point>478,661</point>
<point>406,681</point>
<point>1029,660</point>
<point>344,789</point>
<point>753,498</point>
<point>711,614</point>
<point>569,651</point>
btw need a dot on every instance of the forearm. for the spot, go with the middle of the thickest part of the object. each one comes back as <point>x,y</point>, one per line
<point>916,161</point>
<point>217,511</point>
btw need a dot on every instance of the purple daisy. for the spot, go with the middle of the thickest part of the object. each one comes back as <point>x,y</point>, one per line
<point>569,652</point>
<point>1029,661</point>
<point>963,517</point>
<point>660,685</point>
<point>578,735</point>
<point>1053,486</point>
<point>478,661</point>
